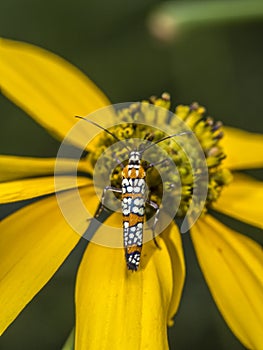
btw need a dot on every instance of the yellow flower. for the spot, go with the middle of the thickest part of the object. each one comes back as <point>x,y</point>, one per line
<point>116,308</point>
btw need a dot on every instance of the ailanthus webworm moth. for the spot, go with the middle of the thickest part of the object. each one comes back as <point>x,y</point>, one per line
<point>133,196</point>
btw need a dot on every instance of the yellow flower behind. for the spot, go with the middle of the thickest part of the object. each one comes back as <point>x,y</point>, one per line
<point>130,310</point>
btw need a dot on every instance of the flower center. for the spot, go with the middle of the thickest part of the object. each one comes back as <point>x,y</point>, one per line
<point>179,183</point>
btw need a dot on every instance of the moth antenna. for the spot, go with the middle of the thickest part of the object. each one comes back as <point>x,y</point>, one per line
<point>102,128</point>
<point>168,137</point>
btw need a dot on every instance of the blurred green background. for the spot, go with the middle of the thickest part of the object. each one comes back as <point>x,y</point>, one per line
<point>217,63</point>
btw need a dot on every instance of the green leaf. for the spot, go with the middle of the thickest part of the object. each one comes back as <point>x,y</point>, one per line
<point>69,344</point>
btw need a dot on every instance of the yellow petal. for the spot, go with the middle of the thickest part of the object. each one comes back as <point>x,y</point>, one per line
<point>47,87</point>
<point>34,242</point>
<point>30,188</point>
<point>233,268</point>
<point>13,167</point>
<point>121,309</point>
<point>244,150</point>
<point>242,200</point>
<point>173,241</point>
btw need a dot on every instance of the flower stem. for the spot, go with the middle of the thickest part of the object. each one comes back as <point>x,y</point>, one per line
<point>170,17</point>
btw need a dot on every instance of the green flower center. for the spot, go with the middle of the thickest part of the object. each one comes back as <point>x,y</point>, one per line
<point>175,184</point>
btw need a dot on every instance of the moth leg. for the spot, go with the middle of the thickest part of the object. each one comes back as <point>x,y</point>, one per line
<point>157,208</point>
<point>118,160</point>
<point>102,202</point>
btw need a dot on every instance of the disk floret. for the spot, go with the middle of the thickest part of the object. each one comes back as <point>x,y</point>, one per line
<point>135,124</point>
